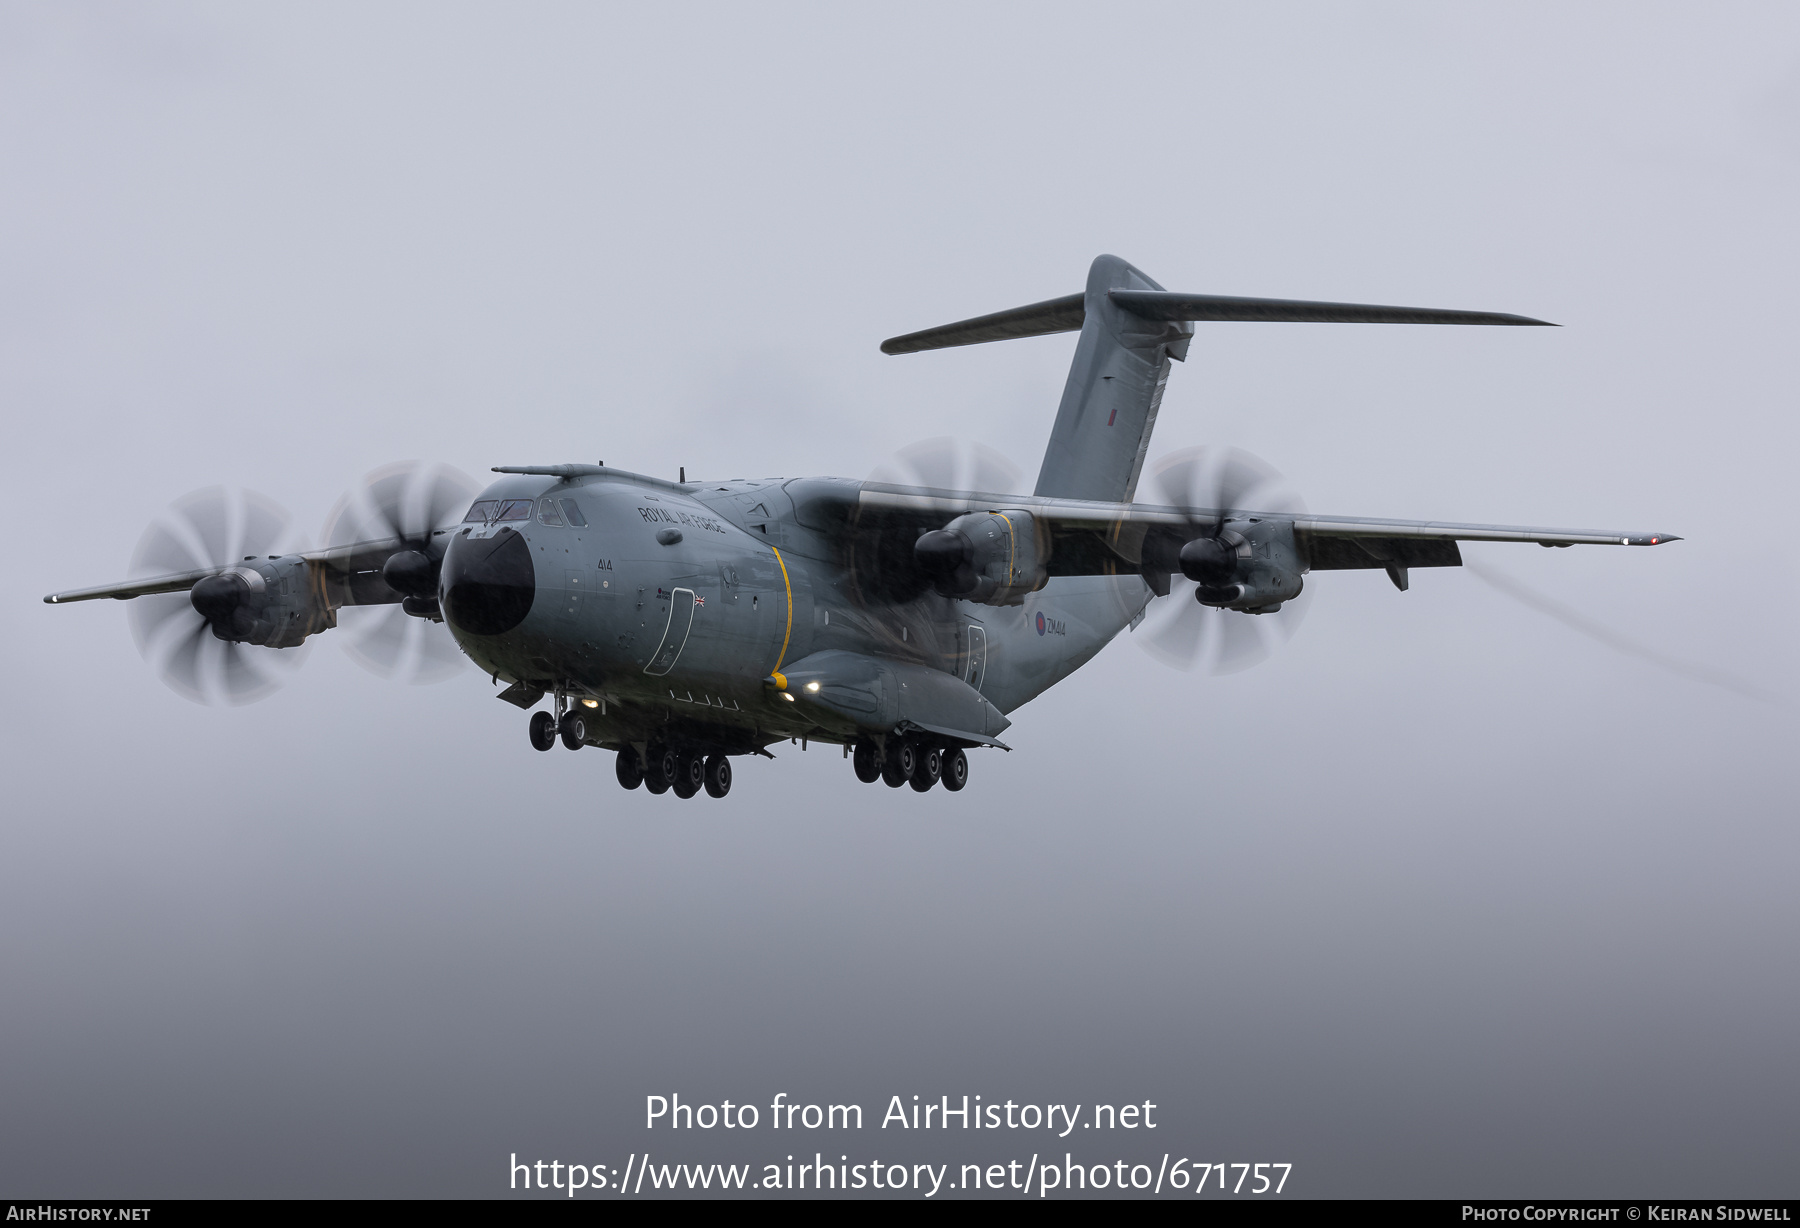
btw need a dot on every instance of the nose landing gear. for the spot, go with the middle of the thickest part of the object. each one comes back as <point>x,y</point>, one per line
<point>569,722</point>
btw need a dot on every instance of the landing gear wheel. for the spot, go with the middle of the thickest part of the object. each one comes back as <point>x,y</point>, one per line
<point>866,762</point>
<point>897,769</point>
<point>925,771</point>
<point>631,772</point>
<point>573,728</point>
<point>690,775</point>
<point>956,770</point>
<point>659,771</point>
<point>543,730</point>
<point>718,776</point>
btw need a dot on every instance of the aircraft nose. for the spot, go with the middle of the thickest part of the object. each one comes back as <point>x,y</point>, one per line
<point>487,583</point>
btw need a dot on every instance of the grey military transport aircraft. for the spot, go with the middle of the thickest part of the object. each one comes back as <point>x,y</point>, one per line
<point>682,623</point>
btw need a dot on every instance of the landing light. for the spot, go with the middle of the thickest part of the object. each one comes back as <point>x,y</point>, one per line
<point>812,686</point>
<point>785,695</point>
<point>590,703</point>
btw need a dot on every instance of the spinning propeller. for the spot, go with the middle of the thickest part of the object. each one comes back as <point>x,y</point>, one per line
<point>411,501</point>
<point>950,464</point>
<point>1187,628</point>
<point>206,530</point>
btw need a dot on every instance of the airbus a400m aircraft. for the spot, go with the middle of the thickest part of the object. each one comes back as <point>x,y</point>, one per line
<point>683,623</point>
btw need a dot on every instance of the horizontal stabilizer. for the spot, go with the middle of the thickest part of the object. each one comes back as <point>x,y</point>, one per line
<point>1057,315</point>
<point>1067,314</point>
<point>1164,305</point>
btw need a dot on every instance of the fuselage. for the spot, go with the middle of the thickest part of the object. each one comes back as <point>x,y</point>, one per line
<point>668,607</point>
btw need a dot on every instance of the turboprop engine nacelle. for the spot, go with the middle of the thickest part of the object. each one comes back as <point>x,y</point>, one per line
<point>1249,565</point>
<point>994,558</point>
<point>266,601</point>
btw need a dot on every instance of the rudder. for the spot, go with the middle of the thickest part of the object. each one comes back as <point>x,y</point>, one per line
<point>1114,390</point>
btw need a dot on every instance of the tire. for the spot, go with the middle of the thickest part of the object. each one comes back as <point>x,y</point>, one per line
<point>660,768</point>
<point>955,772</point>
<point>897,769</point>
<point>718,776</point>
<point>573,728</point>
<point>543,730</point>
<point>690,776</point>
<point>866,762</point>
<point>929,763</point>
<point>631,772</point>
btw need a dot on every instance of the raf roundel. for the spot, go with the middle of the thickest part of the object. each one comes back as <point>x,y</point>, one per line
<point>1040,622</point>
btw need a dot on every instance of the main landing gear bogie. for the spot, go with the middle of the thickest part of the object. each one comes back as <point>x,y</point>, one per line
<point>686,772</point>
<point>867,761</point>
<point>955,772</point>
<point>912,762</point>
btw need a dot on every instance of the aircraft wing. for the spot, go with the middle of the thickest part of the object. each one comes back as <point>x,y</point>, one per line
<point>1094,538</point>
<point>351,573</point>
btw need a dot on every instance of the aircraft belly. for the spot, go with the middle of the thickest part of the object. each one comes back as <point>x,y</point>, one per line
<point>1059,629</point>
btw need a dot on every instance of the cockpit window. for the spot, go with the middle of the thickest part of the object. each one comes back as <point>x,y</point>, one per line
<point>479,513</point>
<point>547,513</point>
<point>574,514</point>
<point>516,509</point>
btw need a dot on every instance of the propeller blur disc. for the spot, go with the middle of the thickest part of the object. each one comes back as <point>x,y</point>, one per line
<point>390,643</point>
<point>408,502</point>
<point>1177,629</point>
<point>950,464</point>
<point>209,528</point>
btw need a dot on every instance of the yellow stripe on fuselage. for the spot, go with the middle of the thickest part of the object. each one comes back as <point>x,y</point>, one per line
<point>789,633</point>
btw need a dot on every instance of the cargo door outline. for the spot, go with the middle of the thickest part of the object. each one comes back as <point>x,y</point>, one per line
<point>675,635</point>
<point>975,670</point>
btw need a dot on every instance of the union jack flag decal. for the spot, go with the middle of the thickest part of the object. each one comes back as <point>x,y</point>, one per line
<point>699,600</point>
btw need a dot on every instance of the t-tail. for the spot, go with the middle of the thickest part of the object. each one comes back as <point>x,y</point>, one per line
<point>1131,330</point>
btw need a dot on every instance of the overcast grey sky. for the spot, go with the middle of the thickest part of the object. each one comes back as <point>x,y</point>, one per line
<point>1446,899</point>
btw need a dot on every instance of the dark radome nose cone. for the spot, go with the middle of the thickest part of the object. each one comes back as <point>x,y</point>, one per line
<point>488,583</point>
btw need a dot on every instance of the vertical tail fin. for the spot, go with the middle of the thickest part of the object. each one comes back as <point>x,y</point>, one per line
<point>1114,389</point>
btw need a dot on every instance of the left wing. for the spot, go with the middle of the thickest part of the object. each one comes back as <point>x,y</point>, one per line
<point>1080,537</point>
